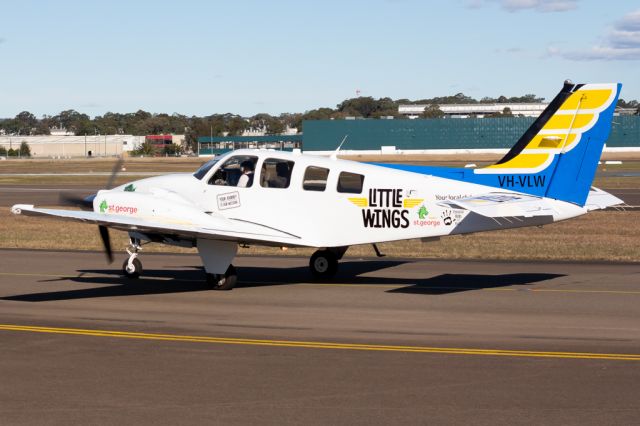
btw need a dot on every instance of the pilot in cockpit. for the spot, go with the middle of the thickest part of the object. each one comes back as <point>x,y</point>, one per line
<point>246,180</point>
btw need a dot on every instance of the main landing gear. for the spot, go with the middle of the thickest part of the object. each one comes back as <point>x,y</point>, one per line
<point>224,281</point>
<point>132,268</point>
<point>324,263</point>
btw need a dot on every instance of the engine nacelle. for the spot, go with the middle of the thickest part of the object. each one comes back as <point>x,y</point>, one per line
<point>159,206</point>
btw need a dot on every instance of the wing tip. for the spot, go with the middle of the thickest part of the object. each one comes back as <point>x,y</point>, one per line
<point>17,208</point>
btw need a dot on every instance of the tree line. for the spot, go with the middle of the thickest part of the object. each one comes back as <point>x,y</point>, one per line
<point>145,123</point>
<point>22,151</point>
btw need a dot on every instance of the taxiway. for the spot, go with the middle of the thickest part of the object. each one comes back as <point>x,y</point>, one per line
<point>388,341</point>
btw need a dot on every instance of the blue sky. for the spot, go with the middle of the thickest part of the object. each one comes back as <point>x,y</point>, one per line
<point>205,57</point>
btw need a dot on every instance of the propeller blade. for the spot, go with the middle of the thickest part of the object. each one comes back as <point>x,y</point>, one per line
<point>114,173</point>
<point>106,242</point>
<point>85,203</point>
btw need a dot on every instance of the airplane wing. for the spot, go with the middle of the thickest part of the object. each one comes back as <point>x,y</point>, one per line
<point>503,205</point>
<point>213,227</point>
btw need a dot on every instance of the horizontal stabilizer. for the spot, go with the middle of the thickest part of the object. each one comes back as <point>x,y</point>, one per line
<point>599,200</point>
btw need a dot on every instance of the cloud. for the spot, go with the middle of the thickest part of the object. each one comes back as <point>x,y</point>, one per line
<point>2,40</point>
<point>509,50</point>
<point>621,44</point>
<point>539,5</point>
<point>474,4</point>
<point>536,5</point>
<point>626,33</point>
<point>91,105</point>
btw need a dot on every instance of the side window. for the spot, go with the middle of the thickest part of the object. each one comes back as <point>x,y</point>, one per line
<point>236,171</point>
<point>350,183</point>
<point>276,173</point>
<point>315,179</point>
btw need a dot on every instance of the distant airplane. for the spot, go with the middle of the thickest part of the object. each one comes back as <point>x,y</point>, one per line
<point>274,198</point>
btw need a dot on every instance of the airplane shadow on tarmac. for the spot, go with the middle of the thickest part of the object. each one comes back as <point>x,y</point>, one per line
<point>191,278</point>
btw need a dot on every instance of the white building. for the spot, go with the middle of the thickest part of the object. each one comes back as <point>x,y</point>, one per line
<point>74,146</point>
<point>478,110</point>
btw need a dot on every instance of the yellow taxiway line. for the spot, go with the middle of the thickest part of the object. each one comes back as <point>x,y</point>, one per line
<point>319,345</point>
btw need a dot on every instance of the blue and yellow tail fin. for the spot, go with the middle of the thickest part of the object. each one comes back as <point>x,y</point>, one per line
<point>558,155</point>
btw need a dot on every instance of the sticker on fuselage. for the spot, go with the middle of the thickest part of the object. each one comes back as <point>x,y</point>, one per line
<point>425,218</point>
<point>117,209</point>
<point>450,197</point>
<point>228,200</point>
<point>386,208</point>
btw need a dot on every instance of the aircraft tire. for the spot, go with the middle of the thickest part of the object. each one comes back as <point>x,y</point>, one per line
<point>323,264</point>
<point>224,281</point>
<point>137,271</point>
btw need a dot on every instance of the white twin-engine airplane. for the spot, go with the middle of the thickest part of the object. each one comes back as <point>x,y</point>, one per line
<point>273,198</point>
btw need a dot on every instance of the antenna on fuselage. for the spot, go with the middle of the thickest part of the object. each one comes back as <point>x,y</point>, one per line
<point>335,153</point>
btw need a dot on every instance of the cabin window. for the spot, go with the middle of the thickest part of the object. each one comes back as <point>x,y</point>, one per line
<point>236,171</point>
<point>315,179</point>
<point>276,173</point>
<point>350,183</point>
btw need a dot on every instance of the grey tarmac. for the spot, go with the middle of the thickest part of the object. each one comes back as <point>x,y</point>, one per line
<point>41,195</point>
<point>388,341</point>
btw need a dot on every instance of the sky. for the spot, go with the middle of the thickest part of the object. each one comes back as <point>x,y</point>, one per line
<point>246,57</point>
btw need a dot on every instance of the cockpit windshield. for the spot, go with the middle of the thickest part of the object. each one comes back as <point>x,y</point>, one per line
<point>202,171</point>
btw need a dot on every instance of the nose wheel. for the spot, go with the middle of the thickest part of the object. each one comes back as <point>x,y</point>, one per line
<point>132,267</point>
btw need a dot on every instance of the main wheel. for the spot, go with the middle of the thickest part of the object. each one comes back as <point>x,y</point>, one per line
<point>224,281</point>
<point>132,272</point>
<point>323,264</point>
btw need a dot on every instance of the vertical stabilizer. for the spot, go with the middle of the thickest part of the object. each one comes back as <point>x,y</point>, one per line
<point>561,149</point>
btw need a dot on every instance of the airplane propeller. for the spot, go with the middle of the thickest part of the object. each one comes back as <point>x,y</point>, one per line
<point>86,203</point>
<point>106,242</point>
<point>114,172</point>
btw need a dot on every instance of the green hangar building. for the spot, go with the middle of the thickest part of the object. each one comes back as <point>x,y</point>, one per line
<point>409,135</point>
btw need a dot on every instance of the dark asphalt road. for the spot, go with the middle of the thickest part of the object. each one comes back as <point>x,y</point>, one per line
<point>49,195</point>
<point>563,312</point>
<point>631,196</point>
<point>40,195</point>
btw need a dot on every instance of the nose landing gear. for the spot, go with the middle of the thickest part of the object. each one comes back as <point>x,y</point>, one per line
<point>132,267</point>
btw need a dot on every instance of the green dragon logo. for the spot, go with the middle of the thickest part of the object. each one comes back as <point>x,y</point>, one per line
<point>103,206</point>
<point>423,212</point>
<point>130,188</point>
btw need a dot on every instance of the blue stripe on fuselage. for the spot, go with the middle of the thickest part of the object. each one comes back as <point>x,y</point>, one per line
<point>534,184</point>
